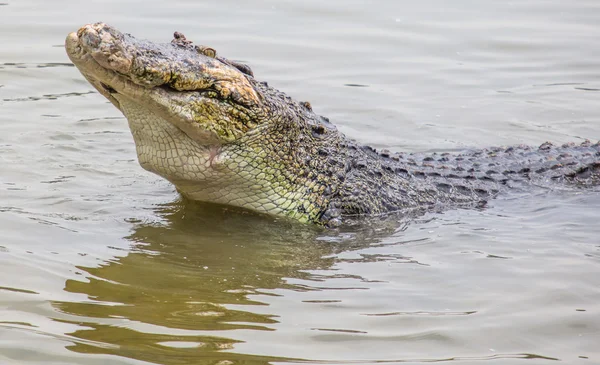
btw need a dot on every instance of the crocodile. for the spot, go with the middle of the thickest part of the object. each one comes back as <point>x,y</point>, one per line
<point>207,125</point>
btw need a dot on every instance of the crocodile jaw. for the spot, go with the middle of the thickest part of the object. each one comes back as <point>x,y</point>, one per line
<point>120,66</point>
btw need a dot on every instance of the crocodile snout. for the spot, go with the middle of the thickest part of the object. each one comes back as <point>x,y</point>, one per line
<point>105,44</point>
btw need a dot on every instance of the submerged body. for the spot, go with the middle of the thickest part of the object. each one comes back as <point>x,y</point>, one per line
<point>207,125</point>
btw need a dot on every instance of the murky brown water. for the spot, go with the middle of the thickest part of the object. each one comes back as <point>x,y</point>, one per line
<point>101,263</point>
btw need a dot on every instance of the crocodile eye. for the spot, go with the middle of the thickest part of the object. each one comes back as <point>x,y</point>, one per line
<point>243,68</point>
<point>207,51</point>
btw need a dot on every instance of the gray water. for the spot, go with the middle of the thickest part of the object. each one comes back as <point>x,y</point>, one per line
<point>102,263</point>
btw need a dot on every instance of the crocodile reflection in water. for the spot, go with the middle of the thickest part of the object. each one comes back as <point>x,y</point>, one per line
<point>184,275</point>
<point>207,125</point>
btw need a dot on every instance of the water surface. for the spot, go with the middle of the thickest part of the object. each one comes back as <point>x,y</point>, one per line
<point>102,263</point>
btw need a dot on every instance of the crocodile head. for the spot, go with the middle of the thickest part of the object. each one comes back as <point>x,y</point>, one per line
<point>209,99</point>
<point>204,123</point>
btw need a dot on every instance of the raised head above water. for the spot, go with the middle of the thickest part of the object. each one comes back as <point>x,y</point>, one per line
<point>207,125</point>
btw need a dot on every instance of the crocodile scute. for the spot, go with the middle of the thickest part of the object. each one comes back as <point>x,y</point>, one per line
<point>207,125</point>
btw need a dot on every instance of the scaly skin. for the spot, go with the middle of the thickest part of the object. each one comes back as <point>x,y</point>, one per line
<point>207,125</point>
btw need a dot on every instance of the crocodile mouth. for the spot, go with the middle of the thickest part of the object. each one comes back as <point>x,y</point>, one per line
<point>108,89</point>
<point>101,78</point>
<point>209,98</point>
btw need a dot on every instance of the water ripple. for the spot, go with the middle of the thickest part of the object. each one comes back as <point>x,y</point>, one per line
<point>51,96</point>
